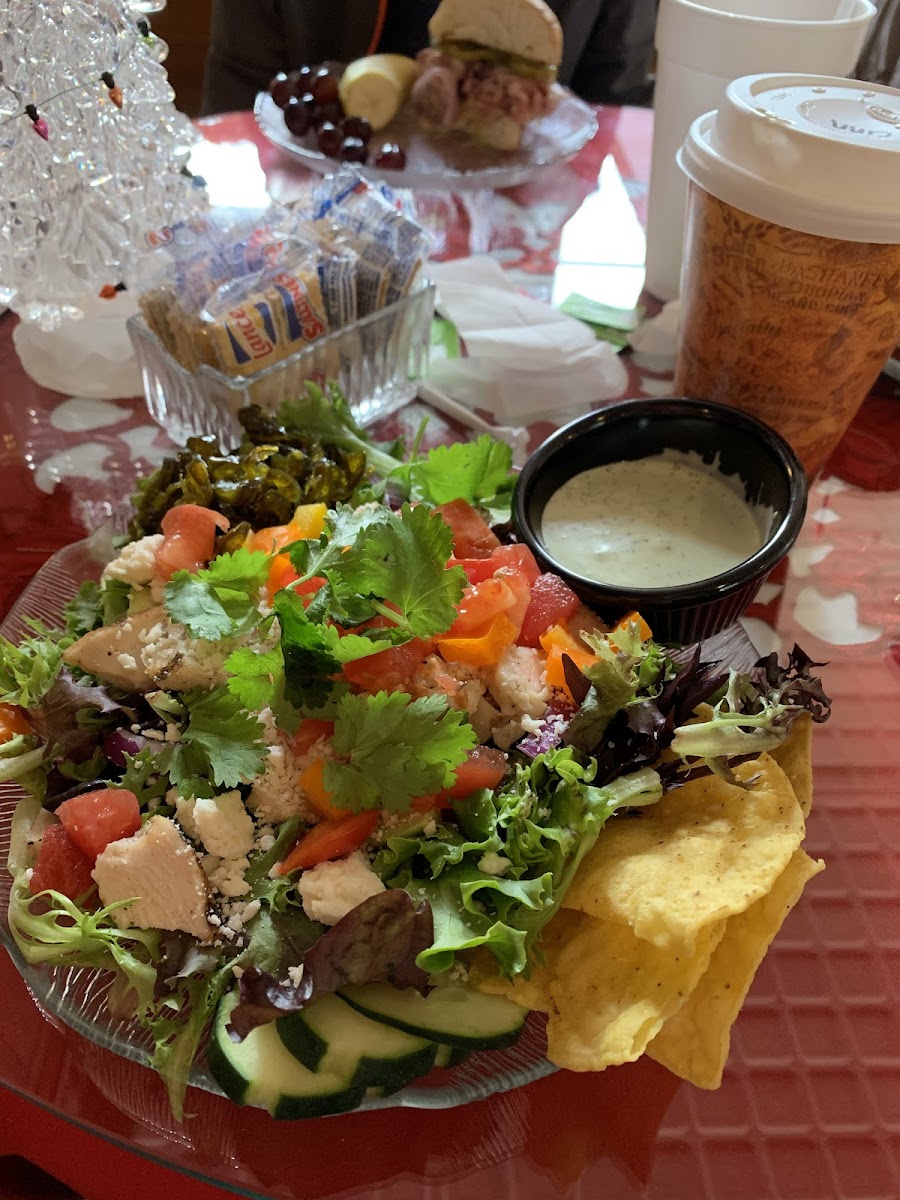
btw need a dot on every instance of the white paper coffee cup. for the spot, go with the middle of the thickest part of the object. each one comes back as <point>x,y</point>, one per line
<point>701,46</point>
<point>790,288</point>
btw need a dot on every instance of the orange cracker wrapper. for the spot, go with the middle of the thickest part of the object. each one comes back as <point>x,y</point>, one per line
<point>263,321</point>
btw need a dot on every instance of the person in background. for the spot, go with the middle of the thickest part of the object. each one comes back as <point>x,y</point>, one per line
<point>608,44</point>
<point>880,59</point>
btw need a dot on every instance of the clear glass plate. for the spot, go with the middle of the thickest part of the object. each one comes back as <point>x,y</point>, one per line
<point>77,996</point>
<point>451,162</point>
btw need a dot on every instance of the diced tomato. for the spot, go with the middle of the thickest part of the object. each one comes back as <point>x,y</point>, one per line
<point>61,865</point>
<point>315,791</point>
<point>479,606</point>
<point>12,722</point>
<point>189,538</point>
<point>309,587</point>
<point>520,590</point>
<point>311,730</point>
<point>389,670</point>
<point>328,840</point>
<point>95,819</point>
<point>552,602</point>
<point>472,536</point>
<point>424,804</point>
<point>518,557</point>
<point>483,650</point>
<point>484,768</point>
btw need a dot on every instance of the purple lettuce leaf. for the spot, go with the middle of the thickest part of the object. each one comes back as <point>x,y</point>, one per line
<point>378,941</point>
<point>55,718</point>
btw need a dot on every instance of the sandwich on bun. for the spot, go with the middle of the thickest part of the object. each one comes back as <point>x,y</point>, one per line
<point>489,70</point>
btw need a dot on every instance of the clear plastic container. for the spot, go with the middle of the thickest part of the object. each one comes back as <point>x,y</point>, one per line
<point>376,361</point>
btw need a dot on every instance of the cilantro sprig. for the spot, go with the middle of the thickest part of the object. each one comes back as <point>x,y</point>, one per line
<point>389,749</point>
<point>222,745</point>
<point>377,566</point>
<point>377,563</point>
<point>479,472</point>
<point>219,601</point>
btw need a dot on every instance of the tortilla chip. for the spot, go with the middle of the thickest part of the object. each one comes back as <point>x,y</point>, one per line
<point>704,852</point>
<point>612,992</point>
<point>694,1043</point>
<point>533,993</point>
<point>794,756</point>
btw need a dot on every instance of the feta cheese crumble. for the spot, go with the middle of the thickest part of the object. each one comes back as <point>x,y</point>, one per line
<point>223,825</point>
<point>330,890</point>
<point>493,863</point>
<point>136,563</point>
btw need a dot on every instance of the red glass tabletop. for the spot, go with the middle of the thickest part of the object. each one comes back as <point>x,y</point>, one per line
<point>810,1105</point>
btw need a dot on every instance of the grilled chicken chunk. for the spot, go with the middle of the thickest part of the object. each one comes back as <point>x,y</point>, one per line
<point>145,651</point>
<point>113,652</point>
<point>161,870</point>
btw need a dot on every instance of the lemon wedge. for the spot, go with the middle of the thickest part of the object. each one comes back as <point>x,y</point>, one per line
<point>377,86</point>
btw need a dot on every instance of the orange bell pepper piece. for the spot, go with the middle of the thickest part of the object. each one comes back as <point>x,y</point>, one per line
<point>482,651</point>
<point>645,631</point>
<point>12,722</point>
<point>308,521</point>
<point>328,840</point>
<point>312,783</point>
<point>556,642</point>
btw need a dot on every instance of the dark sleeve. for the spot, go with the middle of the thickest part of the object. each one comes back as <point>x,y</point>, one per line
<point>246,48</point>
<point>608,48</point>
<point>880,59</point>
<point>251,40</point>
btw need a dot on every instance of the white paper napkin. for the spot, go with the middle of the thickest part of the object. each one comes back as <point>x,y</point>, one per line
<point>654,339</point>
<point>525,359</point>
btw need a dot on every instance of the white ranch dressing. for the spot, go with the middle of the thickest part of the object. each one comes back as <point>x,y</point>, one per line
<point>655,522</point>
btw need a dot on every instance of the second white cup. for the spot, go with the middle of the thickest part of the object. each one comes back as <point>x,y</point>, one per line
<point>701,48</point>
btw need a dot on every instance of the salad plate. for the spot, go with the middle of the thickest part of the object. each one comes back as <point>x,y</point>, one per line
<point>332,799</point>
<point>78,996</point>
<point>450,162</point>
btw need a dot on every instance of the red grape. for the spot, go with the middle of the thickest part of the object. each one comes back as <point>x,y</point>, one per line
<point>353,150</point>
<point>390,157</point>
<point>324,86</point>
<point>331,111</point>
<point>357,127</point>
<point>308,101</point>
<point>280,89</point>
<point>330,139</point>
<point>296,117</point>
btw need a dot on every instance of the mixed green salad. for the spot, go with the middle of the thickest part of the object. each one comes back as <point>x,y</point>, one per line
<point>322,730</point>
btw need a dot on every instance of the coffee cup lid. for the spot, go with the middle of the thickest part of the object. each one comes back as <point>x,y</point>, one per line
<point>810,152</point>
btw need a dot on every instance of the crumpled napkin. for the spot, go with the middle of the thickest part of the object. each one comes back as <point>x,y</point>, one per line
<point>91,357</point>
<point>525,359</point>
<point>654,339</point>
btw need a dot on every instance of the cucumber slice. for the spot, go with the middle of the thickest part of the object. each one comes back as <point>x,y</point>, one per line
<point>450,1056</point>
<point>329,1036</point>
<point>452,1015</point>
<point>260,1071</point>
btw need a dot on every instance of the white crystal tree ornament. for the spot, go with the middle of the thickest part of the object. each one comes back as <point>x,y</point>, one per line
<point>92,152</point>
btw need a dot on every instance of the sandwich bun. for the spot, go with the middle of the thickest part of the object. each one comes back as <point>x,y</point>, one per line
<point>527,28</point>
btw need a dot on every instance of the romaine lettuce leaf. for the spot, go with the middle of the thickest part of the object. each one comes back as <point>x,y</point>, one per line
<point>542,823</point>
